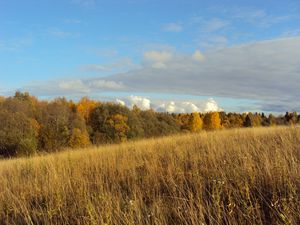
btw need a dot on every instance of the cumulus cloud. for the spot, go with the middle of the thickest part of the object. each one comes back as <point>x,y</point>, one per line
<point>172,27</point>
<point>175,106</point>
<point>141,102</point>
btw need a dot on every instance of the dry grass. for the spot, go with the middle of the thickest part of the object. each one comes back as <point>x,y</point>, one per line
<point>249,176</point>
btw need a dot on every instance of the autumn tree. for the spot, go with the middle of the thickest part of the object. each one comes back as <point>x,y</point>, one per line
<point>183,120</point>
<point>212,121</point>
<point>252,120</point>
<point>85,107</point>
<point>79,138</point>
<point>195,122</point>
<point>118,123</point>
<point>18,134</point>
<point>59,124</point>
<point>233,120</point>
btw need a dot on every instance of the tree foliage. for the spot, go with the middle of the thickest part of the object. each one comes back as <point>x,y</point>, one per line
<point>28,125</point>
<point>195,122</point>
<point>212,121</point>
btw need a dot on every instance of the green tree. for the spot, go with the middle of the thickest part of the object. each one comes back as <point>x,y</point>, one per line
<point>18,134</point>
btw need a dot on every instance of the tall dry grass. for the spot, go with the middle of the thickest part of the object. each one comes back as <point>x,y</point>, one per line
<point>247,176</point>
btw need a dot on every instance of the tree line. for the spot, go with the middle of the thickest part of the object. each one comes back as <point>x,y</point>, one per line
<point>29,125</point>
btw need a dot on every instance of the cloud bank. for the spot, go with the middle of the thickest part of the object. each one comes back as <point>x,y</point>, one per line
<point>267,72</point>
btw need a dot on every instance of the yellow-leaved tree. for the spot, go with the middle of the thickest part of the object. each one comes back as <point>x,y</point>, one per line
<point>195,122</point>
<point>79,138</point>
<point>119,125</point>
<point>85,106</point>
<point>212,121</point>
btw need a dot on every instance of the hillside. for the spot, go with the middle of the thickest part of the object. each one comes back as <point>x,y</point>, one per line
<point>239,176</point>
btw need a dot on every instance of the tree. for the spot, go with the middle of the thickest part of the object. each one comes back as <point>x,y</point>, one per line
<point>60,126</point>
<point>119,126</point>
<point>252,120</point>
<point>183,121</point>
<point>18,134</point>
<point>79,138</point>
<point>85,107</point>
<point>195,122</point>
<point>212,121</point>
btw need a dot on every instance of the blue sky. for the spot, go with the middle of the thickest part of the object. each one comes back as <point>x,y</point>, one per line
<point>169,55</point>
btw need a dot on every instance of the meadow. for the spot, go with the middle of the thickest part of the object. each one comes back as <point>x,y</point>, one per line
<point>238,176</point>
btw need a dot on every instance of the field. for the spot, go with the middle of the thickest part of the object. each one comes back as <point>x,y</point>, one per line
<point>243,176</point>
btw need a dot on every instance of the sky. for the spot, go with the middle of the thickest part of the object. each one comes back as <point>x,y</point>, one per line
<point>175,56</point>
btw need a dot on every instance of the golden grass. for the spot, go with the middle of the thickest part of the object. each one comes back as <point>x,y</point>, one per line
<point>247,176</point>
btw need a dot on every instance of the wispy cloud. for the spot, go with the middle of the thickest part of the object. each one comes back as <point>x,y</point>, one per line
<point>16,44</point>
<point>59,33</point>
<point>291,33</point>
<point>104,52</point>
<point>77,86</point>
<point>213,25</point>
<point>121,64</point>
<point>85,3</point>
<point>173,27</point>
<point>257,17</point>
<point>72,21</point>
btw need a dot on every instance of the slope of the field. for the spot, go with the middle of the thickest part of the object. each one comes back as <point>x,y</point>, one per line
<point>247,176</point>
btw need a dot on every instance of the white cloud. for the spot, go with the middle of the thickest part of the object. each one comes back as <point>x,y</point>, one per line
<point>266,71</point>
<point>84,3</point>
<point>142,103</point>
<point>213,25</point>
<point>73,85</point>
<point>121,64</point>
<point>72,21</point>
<point>156,56</point>
<point>59,33</point>
<point>157,59</point>
<point>257,17</point>
<point>120,102</point>
<point>172,27</point>
<point>16,44</point>
<point>211,106</point>
<point>96,68</point>
<point>170,106</point>
<point>105,84</point>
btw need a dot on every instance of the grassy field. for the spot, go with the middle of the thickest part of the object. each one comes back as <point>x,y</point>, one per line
<point>246,176</point>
